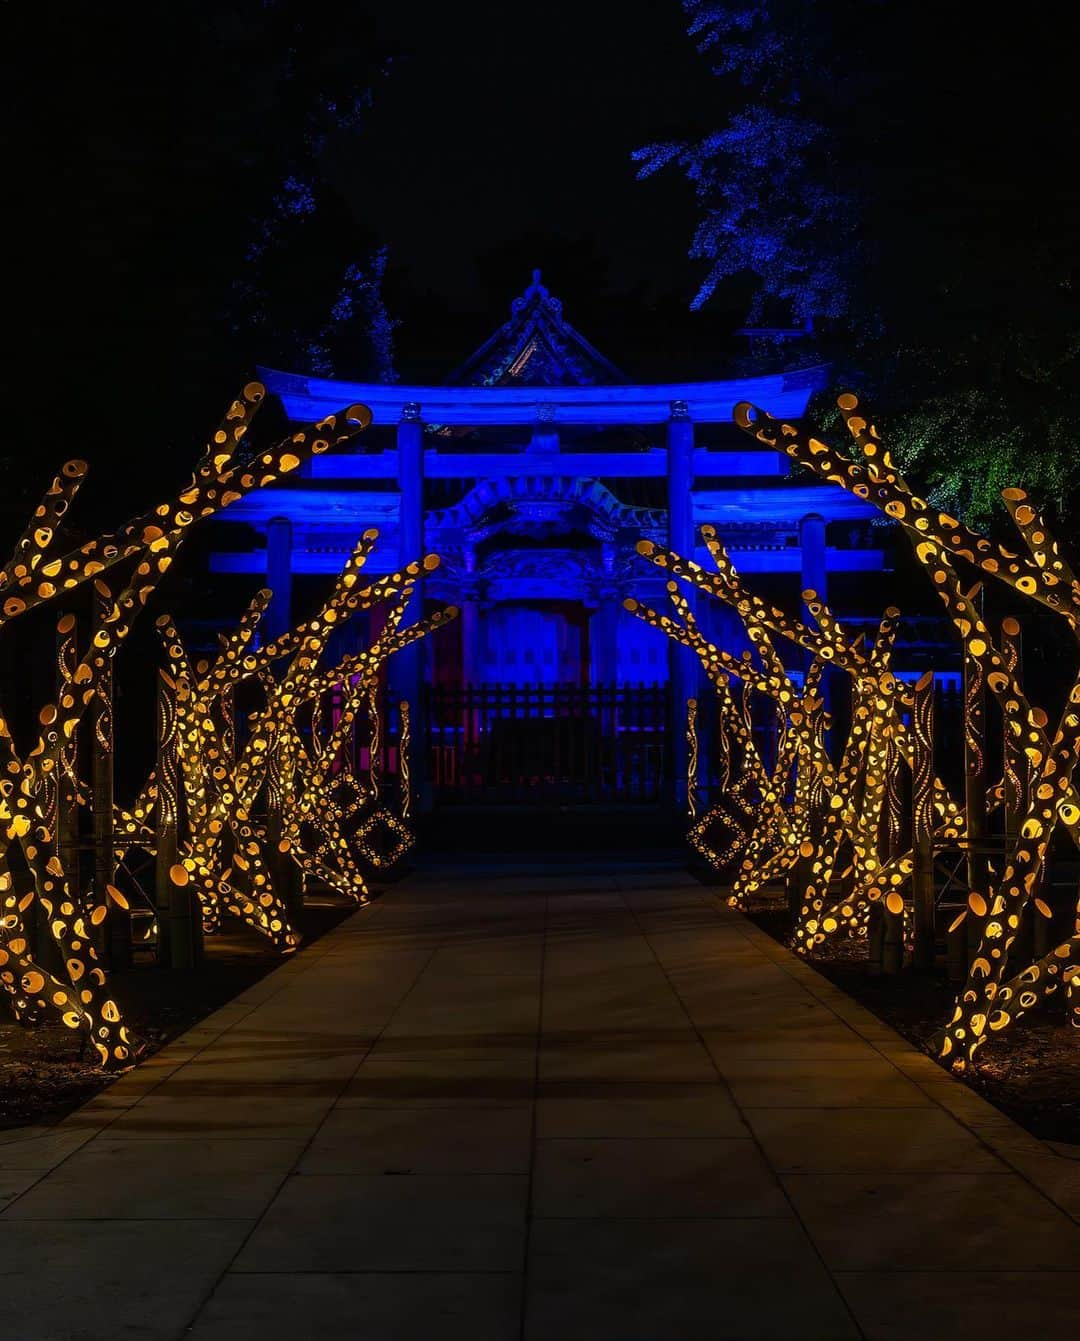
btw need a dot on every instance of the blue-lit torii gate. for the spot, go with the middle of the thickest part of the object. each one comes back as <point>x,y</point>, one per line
<point>534,480</point>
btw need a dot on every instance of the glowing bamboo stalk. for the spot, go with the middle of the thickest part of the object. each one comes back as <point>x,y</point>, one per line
<point>922,822</point>
<point>691,757</point>
<point>404,769</point>
<point>986,1003</point>
<point>375,740</point>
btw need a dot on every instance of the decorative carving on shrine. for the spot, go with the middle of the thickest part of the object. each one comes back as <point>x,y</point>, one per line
<point>591,503</point>
<point>537,347</point>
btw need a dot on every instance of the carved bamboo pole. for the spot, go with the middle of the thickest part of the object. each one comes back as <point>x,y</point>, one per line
<point>117,926</point>
<point>922,821</point>
<point>978,870</point>
<point>892,950</point>
<point>987,1003</point>
<point>404,767</point>
<point>179,931</point>
<point>67,801</point>
<point>375,740</point>
<point>1014,760</point>
<point>691,758</point>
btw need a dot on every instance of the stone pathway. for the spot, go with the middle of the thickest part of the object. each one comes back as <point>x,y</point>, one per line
<point>575,1107</point>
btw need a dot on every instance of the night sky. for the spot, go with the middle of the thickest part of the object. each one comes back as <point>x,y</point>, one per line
<point>499,140</point>
<point>493,134</point>
<point>498,145</point>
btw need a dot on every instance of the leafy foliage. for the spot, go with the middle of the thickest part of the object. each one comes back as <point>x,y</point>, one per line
<point>305,295</point>
<point>870,183</point>
<point>969,440</point>
<point>772,202</point>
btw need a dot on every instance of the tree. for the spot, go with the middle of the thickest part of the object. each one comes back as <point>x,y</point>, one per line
<point>873,178</point>
<point>309,292</point>
<point>773,202</point>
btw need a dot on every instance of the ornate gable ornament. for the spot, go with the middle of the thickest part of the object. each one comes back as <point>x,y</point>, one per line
<point>507,503</point>
<point>537,347</point>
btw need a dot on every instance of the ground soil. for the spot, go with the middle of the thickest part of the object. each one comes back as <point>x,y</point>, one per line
<point>45,1072</point>
<point>1032,1073</point>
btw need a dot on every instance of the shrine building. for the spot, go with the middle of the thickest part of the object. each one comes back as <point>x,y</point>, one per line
<point>533,471</point>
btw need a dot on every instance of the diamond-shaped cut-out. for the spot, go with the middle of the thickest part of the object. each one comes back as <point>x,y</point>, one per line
<point>383,839</point>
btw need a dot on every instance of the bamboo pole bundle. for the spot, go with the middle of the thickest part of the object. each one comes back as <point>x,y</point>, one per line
<point>125,567</point>
<point>993,996</point>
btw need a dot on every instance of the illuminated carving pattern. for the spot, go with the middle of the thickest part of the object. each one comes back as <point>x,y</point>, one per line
<point>375,739</point>
<point>32,800</point>
<point>734,814</point>
<point>1014,770</point>
<point>310,791</point>
<point>691,757</point>
<point>404,767</point>
<point>802,808</point>
<point>990,1000</point>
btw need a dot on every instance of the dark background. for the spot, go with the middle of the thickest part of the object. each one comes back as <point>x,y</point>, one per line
<point>145,142</point>
<point>148,144</point>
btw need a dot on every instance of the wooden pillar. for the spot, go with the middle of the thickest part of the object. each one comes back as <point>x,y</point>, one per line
<point>892,948</point>
<point>682,661</point>
<point>471,644</point>
<point>812,553</point>
<point>583,624</point>
<point>472,668</point>
<point>545,433</point>
<point>956,958</point>
<point>279,544</point>
<point>604,622</point>
<point>285,875</point>
<point>798,877</point>
<point>471,673</point>
<point>603,640</point>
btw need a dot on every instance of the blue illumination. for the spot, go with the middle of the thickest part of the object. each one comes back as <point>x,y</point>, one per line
<point>535,515</point>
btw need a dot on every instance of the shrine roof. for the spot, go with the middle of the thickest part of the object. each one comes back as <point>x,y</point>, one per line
<point>784,395</point>
<point>538,367</point>
<point>536,347</point>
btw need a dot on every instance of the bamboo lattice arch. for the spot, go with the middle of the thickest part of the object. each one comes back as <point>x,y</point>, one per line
<point>230,813</point>
<point>804,814</point>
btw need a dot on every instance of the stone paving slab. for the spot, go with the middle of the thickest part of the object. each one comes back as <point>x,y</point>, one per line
<point>517,1104</point>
